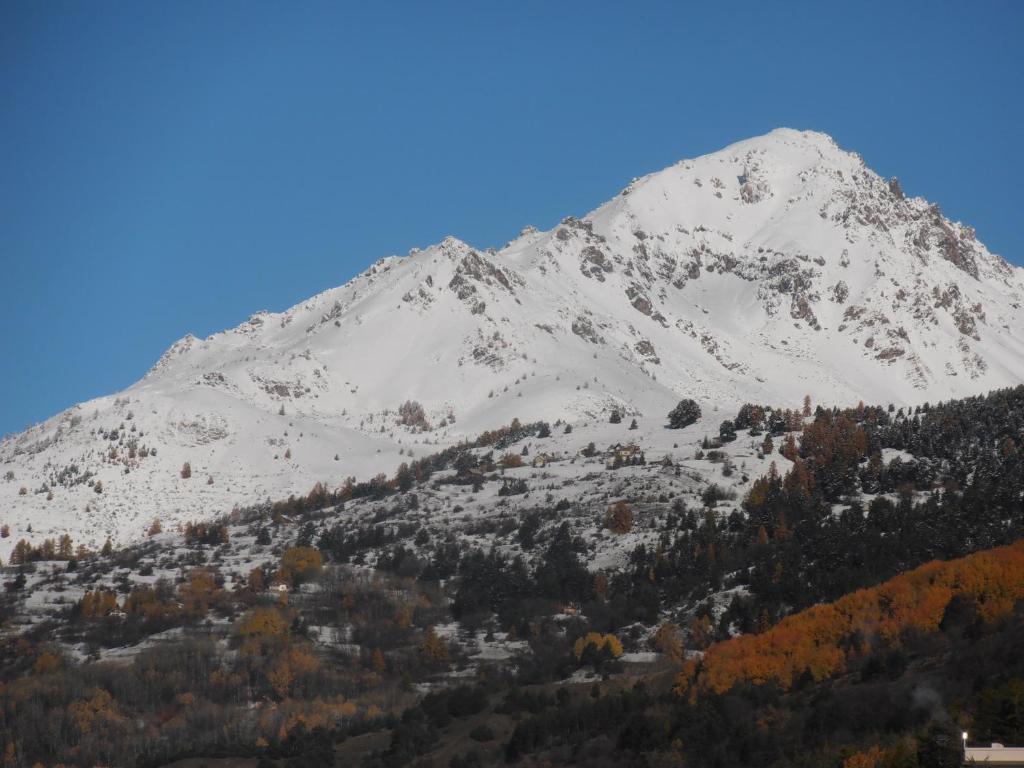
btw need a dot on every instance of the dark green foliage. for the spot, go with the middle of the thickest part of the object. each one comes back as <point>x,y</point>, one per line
<point>684,414</point>
<point>513,487</point>
<point>482,733</point>
<point>575,722</point>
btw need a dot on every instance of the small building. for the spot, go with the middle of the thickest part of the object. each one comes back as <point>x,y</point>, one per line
<point>542,460</point>
<point>996,754</point>
<point>619,455</point>
<point>279,587</point>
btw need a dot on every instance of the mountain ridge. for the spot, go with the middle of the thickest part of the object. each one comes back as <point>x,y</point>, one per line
<point>777,267</point>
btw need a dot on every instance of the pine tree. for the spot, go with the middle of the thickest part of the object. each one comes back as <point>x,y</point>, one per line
<point>684,414</point>
<point>403,477</point>
<point>21,553</point>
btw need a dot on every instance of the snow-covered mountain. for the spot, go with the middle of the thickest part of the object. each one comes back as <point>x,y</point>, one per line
<point>778,267</point>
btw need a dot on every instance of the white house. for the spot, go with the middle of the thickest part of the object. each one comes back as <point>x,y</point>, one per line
<point>996,754</point>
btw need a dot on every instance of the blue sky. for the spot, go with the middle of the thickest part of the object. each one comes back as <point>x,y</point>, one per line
<point>168,168</point>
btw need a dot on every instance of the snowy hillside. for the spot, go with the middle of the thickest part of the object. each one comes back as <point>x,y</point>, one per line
<point>778,267</point>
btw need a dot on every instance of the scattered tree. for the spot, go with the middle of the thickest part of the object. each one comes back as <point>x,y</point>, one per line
<point>687,412</point>
<point>619,518</point>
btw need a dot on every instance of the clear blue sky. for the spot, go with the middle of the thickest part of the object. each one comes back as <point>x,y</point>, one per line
<point>173,167</point>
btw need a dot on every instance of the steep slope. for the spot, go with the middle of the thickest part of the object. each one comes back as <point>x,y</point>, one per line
<point>777,267</point>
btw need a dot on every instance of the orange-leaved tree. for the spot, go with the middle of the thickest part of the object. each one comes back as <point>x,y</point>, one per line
<point>814,641</point>
<point>300,564</point>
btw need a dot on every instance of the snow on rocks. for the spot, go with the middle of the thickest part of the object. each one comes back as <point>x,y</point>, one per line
<point>777,267</point>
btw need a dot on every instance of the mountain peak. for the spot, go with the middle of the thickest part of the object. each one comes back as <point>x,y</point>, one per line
<point>777,267</point>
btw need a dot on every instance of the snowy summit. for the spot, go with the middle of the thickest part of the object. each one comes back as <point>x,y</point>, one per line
<point>777,267</point>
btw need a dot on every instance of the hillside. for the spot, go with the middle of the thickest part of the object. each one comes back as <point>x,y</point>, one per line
<point>778,267</point>
<point>589,595</point>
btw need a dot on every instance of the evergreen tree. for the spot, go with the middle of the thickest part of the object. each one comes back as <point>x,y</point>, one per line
<point>684,414</point>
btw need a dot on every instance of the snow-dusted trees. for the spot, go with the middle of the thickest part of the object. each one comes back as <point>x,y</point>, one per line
<point>684,414</point>
<point>210,534</point>
<point>411,414</point>
<point>750,417</point>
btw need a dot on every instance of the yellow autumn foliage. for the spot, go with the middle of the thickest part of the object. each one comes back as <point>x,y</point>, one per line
<point>262,622</point>
<point>300,564</point>
<point>599,642</point>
